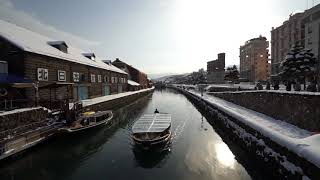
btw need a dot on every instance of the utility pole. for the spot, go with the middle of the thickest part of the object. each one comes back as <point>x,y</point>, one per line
<point>36,87</point>
<point>318,60</point>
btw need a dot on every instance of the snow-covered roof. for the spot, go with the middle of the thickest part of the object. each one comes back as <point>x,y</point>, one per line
<point>133,83</point>
<point>152,123</point>
<point>36,43</point>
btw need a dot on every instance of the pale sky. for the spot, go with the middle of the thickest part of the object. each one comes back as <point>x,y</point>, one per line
<point>156,36</point>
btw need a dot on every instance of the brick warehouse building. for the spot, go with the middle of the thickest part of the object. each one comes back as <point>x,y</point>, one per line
<point>133,73</point>
<point>55,66</point>
<point>216,70</point>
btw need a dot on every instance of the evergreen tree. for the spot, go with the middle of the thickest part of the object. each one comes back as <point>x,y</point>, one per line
<point>268,86</point>
<point>298,64</point>
<point>232,74</point>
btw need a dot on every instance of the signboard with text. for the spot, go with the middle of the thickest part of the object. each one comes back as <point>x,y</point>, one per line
<point>76,77</point>
<point>62,75</point>
<point>42,74</point>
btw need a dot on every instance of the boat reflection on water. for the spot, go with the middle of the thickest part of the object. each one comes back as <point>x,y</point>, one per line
<point>151,159</point>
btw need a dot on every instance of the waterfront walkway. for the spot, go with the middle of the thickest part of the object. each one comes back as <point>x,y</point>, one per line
<point>298,140</point>
<point>89,102</point>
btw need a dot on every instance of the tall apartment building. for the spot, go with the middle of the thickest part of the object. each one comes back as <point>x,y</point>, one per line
<point>302,28</point>
<point>215,69</point>
<point>283,38</point>
<point>254,65</point>
<point>311,22</point>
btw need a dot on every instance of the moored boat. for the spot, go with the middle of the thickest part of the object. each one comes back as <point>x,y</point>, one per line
<point>88,120</point>
<point>17,140</point>
<point>152,131</point>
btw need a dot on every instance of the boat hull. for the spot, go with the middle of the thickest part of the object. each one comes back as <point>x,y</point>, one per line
<point>158,144</point>
<point>87,127</point>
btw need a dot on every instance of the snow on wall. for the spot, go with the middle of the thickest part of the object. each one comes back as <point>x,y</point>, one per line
<point>278,91</point>
<point>133,83</point>
<point>263,150</point>
<point>297,140</point>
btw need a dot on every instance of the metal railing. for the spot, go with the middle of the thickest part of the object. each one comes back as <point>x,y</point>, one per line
<point>20,130</point>
<point>6,105</point>
<point>20,142</point>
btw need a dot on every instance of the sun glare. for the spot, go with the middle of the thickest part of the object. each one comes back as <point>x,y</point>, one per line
<point>224,155</point>
<point>193,23</point>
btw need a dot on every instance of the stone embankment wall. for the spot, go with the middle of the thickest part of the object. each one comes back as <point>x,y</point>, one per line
<point>275,159</point>
<point>222,89</point>
<point>228,88</point>
<point>300,109</point>
<point>118,102</point>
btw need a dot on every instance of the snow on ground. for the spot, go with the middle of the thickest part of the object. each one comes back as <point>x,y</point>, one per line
<point>275,91</point>
<point>243,85</point>
<point>89,102</point>
<point>298,140</point>
<point>133,83</point>
<point>20,110</point>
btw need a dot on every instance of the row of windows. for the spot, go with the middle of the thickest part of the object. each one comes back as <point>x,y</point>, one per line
<point>43,75</point>
<point>116,80</point>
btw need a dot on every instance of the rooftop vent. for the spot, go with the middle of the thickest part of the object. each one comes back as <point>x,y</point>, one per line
<point>107,62</point>
<point>89,56</point>
<point>61,45</point>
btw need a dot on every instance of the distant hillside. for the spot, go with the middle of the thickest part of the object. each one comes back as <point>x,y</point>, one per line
<point>171,78</point>
<point>159,75</point>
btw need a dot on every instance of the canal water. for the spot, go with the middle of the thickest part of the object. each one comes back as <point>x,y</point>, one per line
<point>196,152</point>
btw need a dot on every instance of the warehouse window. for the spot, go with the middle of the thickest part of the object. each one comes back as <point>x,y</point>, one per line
<point>93,78</point>
<point>309,29</point>
<point>3,67</point>
<point>99,79</point>
<point>106,79</point>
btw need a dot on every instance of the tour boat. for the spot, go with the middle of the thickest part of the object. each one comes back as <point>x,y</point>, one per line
<point>89,120</point>
<point>152,131</point>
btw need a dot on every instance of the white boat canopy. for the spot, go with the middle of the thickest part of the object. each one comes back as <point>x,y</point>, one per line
<point>152,123</point>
